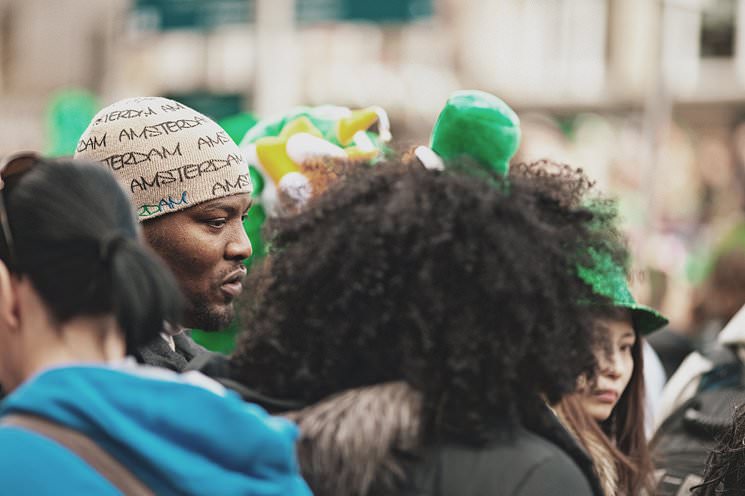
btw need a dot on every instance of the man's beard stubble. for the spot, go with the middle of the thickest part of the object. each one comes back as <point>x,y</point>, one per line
<point>204,318</point>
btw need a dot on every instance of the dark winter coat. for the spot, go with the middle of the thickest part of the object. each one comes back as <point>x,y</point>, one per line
<point>365,442</point>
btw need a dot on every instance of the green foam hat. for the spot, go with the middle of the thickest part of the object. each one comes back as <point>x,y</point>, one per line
<point>608,279</point>
<point>479,125</point>
<point>277,148</point>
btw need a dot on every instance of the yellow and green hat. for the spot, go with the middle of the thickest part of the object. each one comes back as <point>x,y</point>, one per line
<point>279,148</point>
<point>608,279</point>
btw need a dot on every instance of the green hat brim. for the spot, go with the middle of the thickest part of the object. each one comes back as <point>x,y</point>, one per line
<point>646,320</point>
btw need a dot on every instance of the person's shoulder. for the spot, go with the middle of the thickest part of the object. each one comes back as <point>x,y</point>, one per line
<point>522,464</point>
<point>34,464</point>
<point>545,466</point>
<point>552,468</point>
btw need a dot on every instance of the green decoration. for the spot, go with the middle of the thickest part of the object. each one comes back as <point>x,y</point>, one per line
<point>277,148</point>
<point>204,15</point>
<point>479,125</point>
<point>219,342</point>
<point>68,114</point>
<point>380,11</point>
<point>701,263</point>
<point>253,224</point>
<point>325,119</point>
<point>608,279</point>
<point>733,240</point>
<point>257,180</point>
<point>237,125</point>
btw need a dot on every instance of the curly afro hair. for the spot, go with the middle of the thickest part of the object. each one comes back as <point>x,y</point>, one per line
<point>462,285</point>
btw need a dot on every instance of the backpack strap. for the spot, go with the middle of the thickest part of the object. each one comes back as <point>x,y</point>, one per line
<point>103,463</point>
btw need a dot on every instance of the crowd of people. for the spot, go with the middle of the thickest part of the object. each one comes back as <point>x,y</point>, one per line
<point>433,321</point>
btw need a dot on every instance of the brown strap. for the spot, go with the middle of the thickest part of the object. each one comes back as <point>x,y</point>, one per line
<point>81,445</point>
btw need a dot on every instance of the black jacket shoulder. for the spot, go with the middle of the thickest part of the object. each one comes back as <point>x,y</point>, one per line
<point>524,465</point>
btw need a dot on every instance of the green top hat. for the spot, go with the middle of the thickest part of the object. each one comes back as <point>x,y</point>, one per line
<point>479,125</point>
<point>608,279</point>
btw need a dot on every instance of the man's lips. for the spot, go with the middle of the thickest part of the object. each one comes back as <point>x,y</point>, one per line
<point>606,396</point>
<point>232,285</point>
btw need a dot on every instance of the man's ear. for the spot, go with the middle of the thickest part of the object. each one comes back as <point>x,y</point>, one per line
<point>8,298</point>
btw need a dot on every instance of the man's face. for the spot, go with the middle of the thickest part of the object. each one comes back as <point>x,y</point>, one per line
<point>205,246</point>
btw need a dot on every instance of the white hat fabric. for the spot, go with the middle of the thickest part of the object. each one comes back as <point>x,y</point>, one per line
<point>167,156</point>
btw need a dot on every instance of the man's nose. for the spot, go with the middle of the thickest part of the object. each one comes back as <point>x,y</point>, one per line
<point>239,246</point>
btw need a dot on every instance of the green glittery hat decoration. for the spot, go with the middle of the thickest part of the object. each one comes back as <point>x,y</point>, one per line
<point>608,279</point>
<point>478,125</point>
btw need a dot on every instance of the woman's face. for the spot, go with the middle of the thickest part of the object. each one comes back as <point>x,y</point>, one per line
<point>616,364</point>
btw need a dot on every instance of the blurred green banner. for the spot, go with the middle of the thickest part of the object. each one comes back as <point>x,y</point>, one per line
<point>162,15</point>
<point>192,14</point>
<point>216,106</point>
<point>363,10</point>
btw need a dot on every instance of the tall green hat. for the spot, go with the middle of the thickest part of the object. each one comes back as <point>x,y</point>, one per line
<point>608,279</point>
<point>479,125</point>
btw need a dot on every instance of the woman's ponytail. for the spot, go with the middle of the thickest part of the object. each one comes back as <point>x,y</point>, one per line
<point>144,294</point>
<point>76,237</point>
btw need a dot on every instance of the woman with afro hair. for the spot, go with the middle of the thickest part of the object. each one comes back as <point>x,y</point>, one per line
<point>417,324</point>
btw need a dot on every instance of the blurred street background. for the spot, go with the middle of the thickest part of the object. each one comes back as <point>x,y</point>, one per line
<point>648,96</point>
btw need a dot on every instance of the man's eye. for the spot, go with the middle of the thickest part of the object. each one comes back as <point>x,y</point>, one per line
<point>217,223</point>
<point>244,217</point>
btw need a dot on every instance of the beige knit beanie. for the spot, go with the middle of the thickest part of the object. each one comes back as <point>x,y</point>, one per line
<point>167,156</point>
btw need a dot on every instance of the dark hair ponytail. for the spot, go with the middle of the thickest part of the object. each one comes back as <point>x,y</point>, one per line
<point>75,236</point>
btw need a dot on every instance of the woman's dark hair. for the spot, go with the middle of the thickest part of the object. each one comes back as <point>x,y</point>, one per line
<point>76,238</point>
<point>463,286</point>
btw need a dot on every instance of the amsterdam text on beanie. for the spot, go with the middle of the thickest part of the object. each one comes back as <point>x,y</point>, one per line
<point>166,155</point>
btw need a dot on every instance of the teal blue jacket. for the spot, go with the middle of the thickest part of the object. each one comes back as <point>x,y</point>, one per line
<point>179,434</point>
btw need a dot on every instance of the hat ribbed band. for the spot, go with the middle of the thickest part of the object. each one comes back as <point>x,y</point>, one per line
<point>167,156</point>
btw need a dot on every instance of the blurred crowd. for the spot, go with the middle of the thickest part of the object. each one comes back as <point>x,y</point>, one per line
<point>447,318</point>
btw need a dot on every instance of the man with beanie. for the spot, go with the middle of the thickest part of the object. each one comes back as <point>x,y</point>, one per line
<point>191,189</point>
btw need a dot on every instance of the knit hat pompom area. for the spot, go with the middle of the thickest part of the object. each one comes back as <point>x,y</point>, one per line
<point>167,156</point>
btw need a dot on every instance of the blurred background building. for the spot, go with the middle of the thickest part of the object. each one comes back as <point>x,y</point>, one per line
<point>648,96</point>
